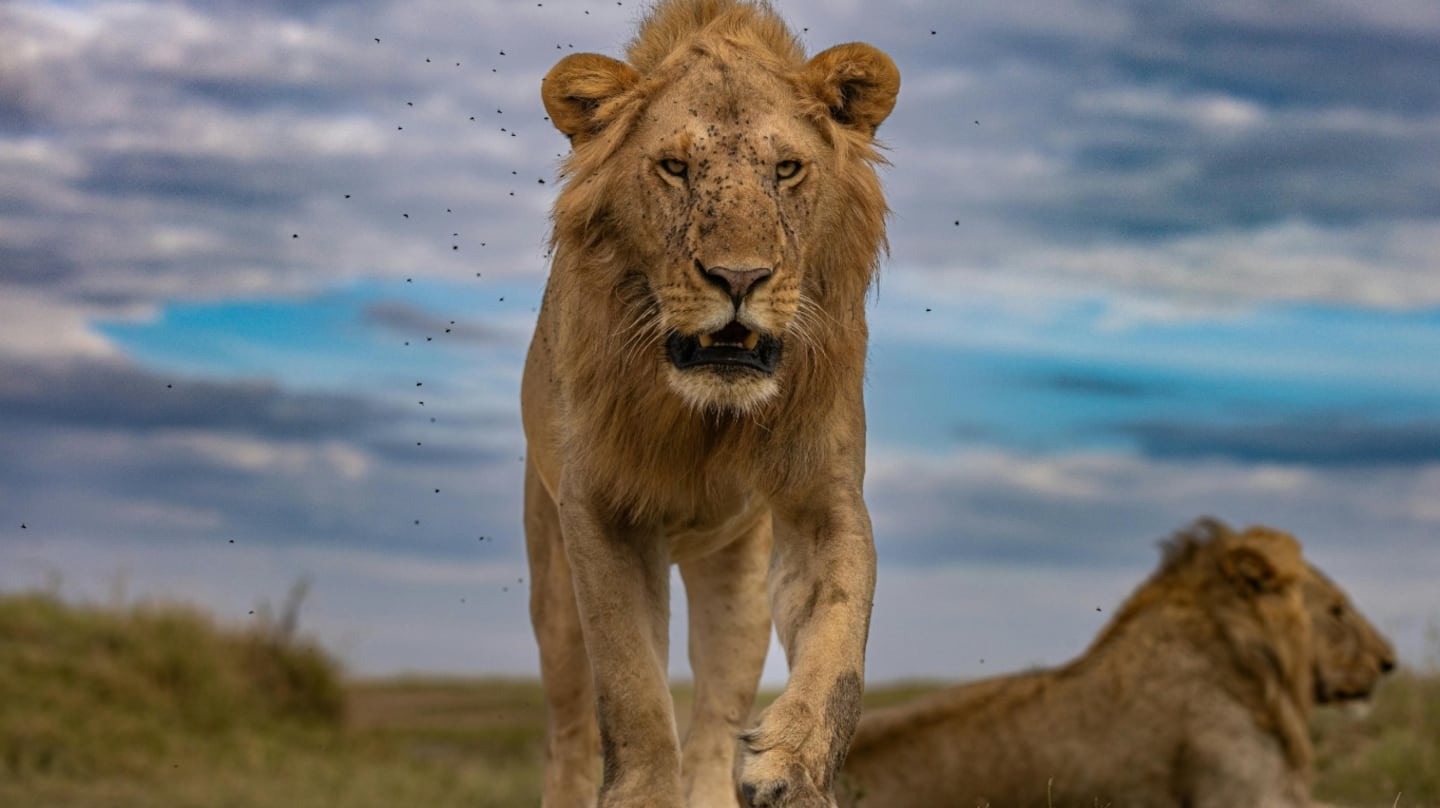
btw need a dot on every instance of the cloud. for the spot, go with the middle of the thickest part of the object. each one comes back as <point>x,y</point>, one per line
<point>246,129</point>
<point>36,326</point>
<point>100,448</point>
<point>410,320</point>
<point>1097,384</point>
<point>1177,143</point>
<point>1173,142</point>
<point>220,182</point>
<point>1085,509</point>
<point>113,395</point>
<point>1314,442</point>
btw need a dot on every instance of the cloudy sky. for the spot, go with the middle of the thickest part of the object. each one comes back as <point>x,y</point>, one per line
<point>268,271</point>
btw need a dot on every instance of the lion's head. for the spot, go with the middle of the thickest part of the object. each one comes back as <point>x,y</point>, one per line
<point>727,184</point>
<point>1286,620</point>
<point>1350,654</point>
<point>1242,592</point>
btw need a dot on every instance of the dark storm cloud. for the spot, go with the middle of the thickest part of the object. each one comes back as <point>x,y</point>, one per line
<point>222,182</point>
<point>1068,126</point>
<point>453,454</point>
<point>1284,170</point>
<point>104,449</point>
<point>1314,442</point>
<point>1309,59</point>
<point>205,487</point>
<point>251,93</point>
<point>292,8</point>
<point>98,394</point>
<point>34,266</point>
<point>1148,125</point>
<point>403,318</point>
<point>16,114</point>
<point>1098,384</point>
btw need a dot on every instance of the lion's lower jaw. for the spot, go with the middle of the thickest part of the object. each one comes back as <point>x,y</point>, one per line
<point>740,392</point>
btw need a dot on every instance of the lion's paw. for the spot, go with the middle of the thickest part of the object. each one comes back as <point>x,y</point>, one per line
<point>768,781</point>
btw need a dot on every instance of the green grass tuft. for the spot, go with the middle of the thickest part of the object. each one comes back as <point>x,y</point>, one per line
<point>89,692</point>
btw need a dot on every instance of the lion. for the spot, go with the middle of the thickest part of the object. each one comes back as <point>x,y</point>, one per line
<point>1196,694</point>
<point>693,396</point>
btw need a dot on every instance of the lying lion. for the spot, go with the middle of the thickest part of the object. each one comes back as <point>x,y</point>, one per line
<point>1196,694</point>
<point>693,394</point>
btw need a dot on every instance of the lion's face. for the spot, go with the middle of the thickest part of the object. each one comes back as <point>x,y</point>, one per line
<point>724,175</point>
<point>1350,654</point>
<point>729,188</point>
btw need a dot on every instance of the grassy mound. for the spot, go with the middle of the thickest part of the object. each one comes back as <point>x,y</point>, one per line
<point>91,692</point>
<point>157,704</point>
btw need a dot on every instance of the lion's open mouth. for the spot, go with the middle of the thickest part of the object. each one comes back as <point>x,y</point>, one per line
<point>734,345</point>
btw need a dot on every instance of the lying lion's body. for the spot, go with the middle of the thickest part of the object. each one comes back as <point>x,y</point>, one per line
<point>1196,694</point>
<point>693,394</point>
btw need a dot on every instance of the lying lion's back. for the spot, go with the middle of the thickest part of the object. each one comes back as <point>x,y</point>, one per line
<point>1116,726</point>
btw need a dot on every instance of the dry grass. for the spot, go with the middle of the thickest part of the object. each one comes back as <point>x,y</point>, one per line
<point>1390,750</point>
<point>158,705</point>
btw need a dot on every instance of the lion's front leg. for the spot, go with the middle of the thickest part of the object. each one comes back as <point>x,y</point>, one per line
<point>822,582</point>
<point>622,585</point>
<point>572,741</point>
<point>729,636</point>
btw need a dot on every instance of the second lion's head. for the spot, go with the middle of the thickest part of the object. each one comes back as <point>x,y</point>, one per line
<point>721,206</point>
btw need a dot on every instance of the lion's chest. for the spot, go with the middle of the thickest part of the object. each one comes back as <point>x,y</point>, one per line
<point>707,529</point>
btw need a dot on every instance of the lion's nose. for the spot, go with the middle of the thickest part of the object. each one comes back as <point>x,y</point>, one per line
<point>737,282</point>
<point>1387,664</point>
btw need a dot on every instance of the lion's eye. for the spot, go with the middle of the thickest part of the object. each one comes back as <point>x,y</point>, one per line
<point>1337,610</point>
<point>673,167</point>
<point>787,169</point>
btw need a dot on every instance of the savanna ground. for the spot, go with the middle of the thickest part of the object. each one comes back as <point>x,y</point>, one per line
<point>157,705</point>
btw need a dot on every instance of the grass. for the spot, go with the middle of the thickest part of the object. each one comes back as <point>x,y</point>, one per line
<point>1392,748</point>
<point>156,704</point>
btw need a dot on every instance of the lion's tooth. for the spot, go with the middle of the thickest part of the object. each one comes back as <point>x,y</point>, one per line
<point>706,340</point>
<point>751,340</point>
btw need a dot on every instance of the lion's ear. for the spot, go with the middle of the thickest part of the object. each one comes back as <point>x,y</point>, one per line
<point>857,82</point>
<point>575,88</point>
<point>1251,569</point>
<point>1262,560</point>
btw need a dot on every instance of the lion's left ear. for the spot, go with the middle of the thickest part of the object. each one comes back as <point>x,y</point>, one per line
<point>1251,569</point>
<point>1262,560</point>
<point>857,82</point>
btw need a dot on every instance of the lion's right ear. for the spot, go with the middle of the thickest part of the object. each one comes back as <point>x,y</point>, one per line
<point>858,83</point>
<point>577,86</point>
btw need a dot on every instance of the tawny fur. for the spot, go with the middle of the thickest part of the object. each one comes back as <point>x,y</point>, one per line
<point>750,482</point>
<point>1195,694</point>
<point>1350,654</point>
